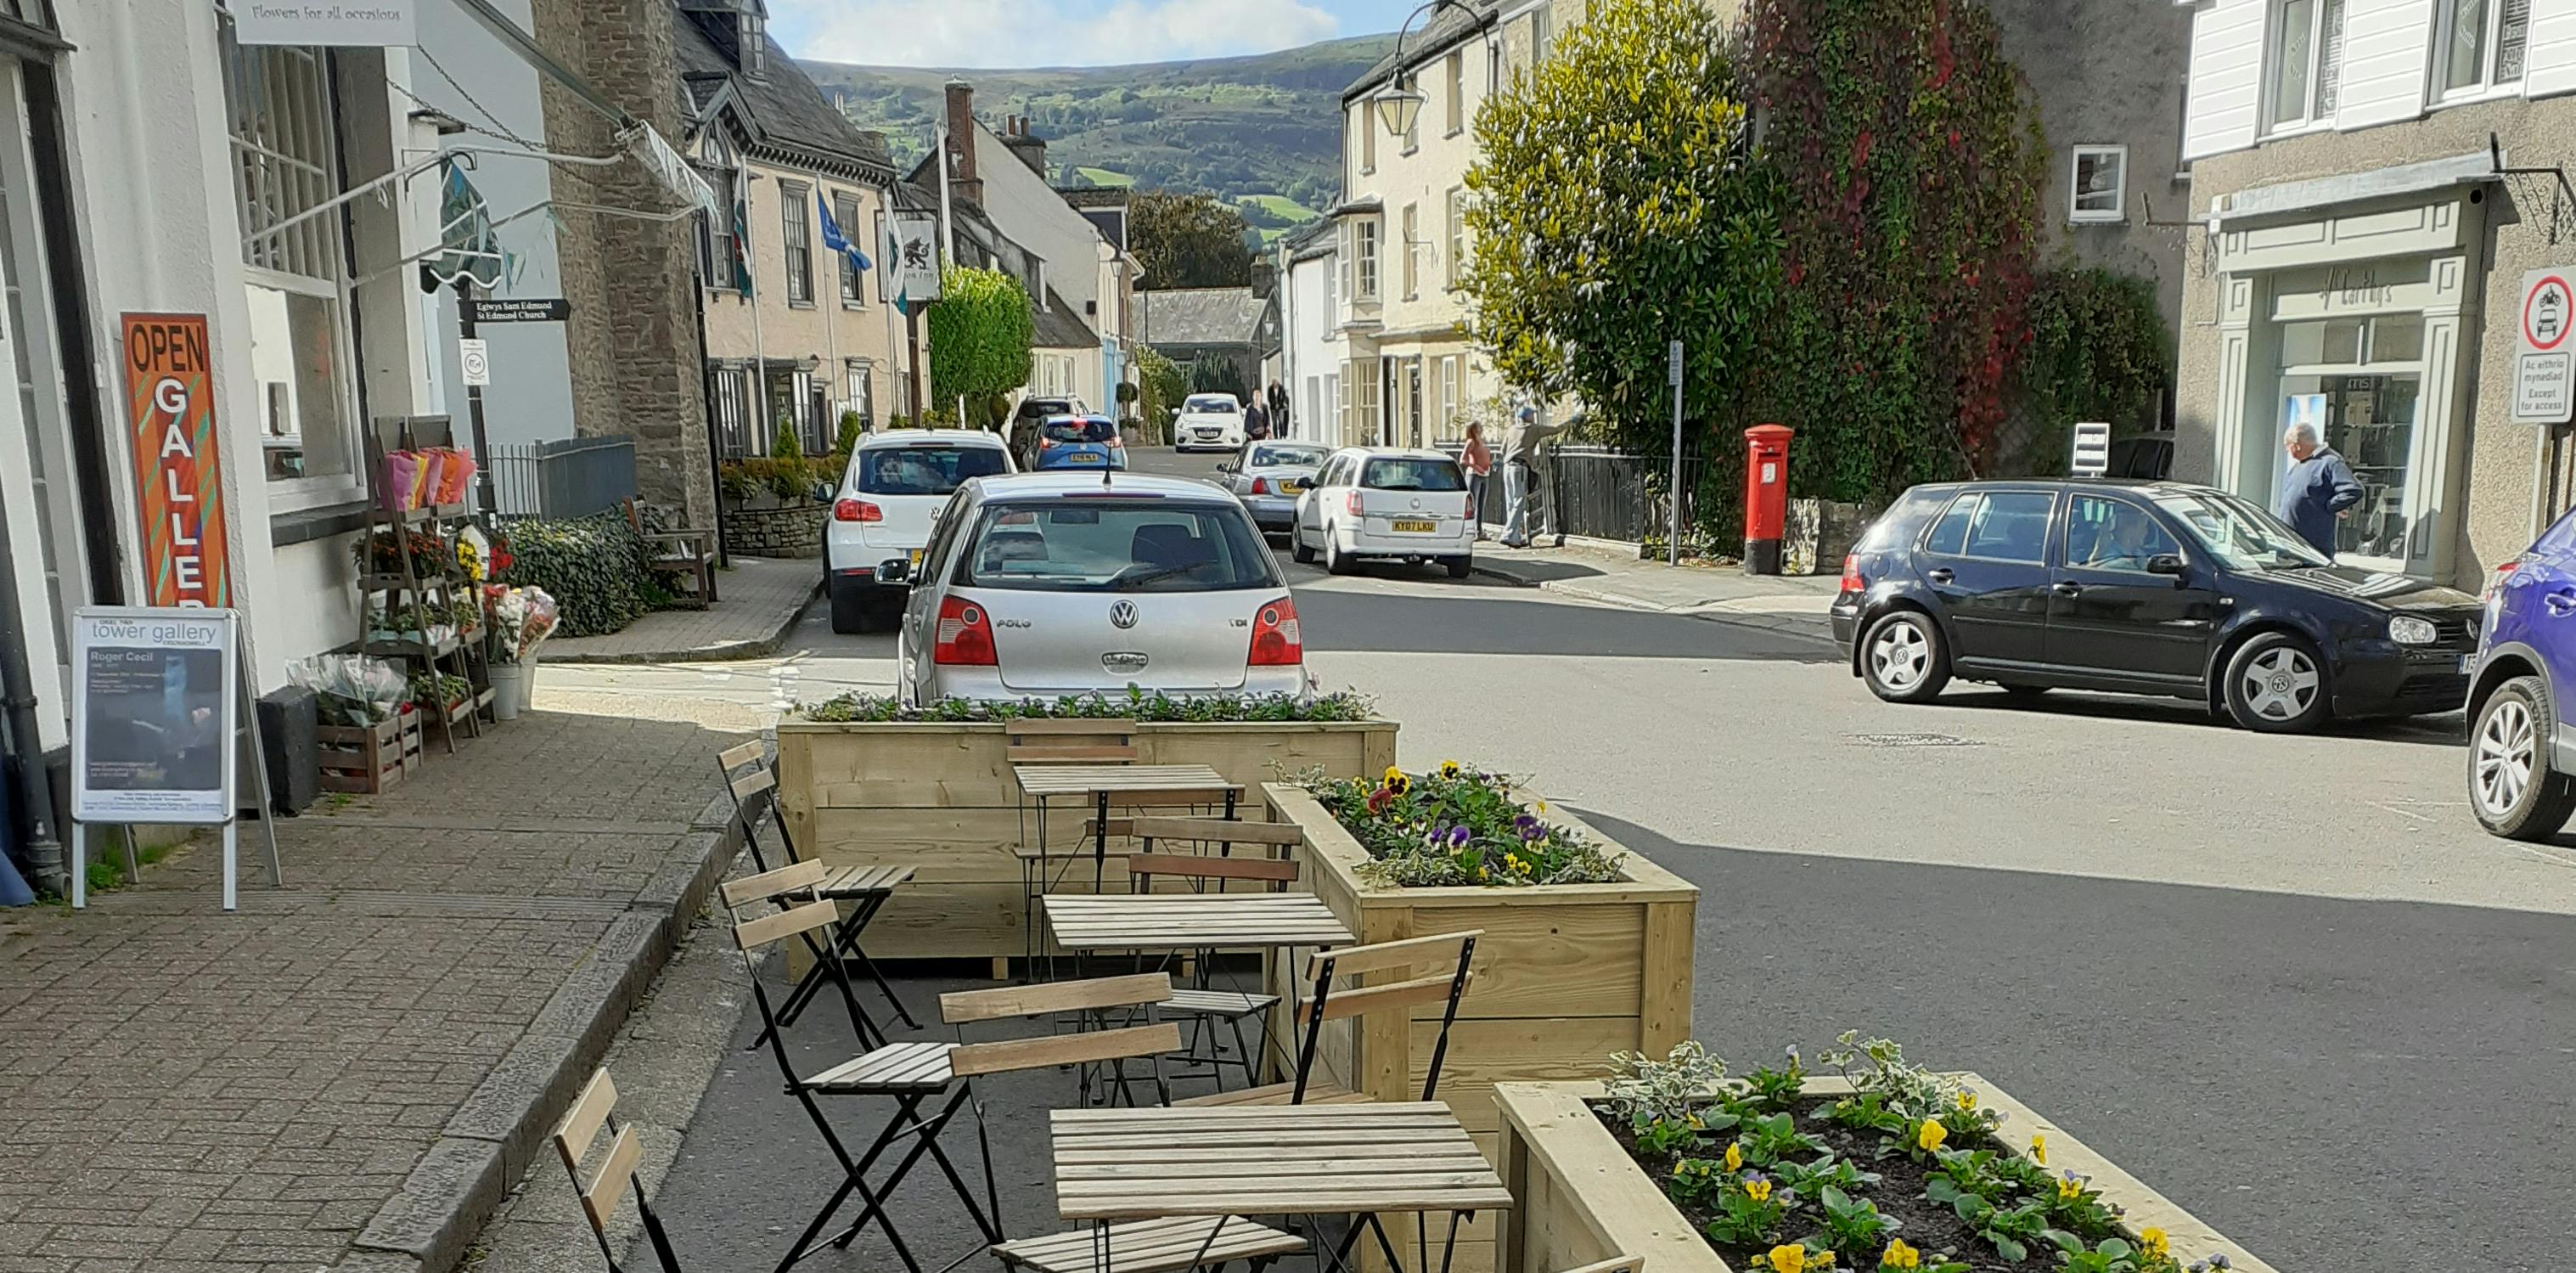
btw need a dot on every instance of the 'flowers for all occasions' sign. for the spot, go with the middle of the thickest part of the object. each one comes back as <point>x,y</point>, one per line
<point>170,398</point>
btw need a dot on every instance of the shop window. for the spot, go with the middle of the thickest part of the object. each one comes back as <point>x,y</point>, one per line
<point>2099,192</point>
<point>2479,44</point>
<point>797,240</point>
<point>285,167</point>
<point>2358,381</point>
<point>2306,62</point>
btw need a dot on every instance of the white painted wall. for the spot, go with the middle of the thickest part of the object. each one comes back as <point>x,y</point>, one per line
<point>1312,347</point>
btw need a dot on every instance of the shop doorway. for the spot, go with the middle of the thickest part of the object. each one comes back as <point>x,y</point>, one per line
<point>2359,381</point>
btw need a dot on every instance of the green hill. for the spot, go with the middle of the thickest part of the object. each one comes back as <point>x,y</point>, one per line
<point>1239,127</point>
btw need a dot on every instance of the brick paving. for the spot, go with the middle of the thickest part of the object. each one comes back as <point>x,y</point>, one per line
<point>761,598</point>
<point>348,1071</point>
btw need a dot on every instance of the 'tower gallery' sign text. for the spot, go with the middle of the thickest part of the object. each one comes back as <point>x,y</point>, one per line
<point>170,398</point>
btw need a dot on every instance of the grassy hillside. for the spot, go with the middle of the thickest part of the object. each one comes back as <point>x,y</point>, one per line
<point>1267,125</point>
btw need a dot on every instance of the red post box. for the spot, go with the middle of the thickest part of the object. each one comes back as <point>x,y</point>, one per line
<point>1766,496</point>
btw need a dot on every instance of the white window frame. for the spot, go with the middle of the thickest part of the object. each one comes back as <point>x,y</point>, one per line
<point>795,236</point>
<point>1365,234</point>
<point>1457,94</point>
<point>2489,81</point>
<point>2076,212</point>
<point>1412,224</point>
<point>854,289</point>
<point>1457,234</point>
<point>2323,87</point>
<point>1366,122</point>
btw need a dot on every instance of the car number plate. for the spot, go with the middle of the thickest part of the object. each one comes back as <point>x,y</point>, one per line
<point>1291,488</point>
<point>2468,664</point>
<point>1413,525</point>
<point>916,559</point>
<point>1083,457</point>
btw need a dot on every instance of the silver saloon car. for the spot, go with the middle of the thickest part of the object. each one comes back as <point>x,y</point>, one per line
<point>1269,476</point>
<point>1042,585</point>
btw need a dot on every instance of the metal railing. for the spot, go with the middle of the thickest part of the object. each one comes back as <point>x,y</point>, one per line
<point>558,480</point>
<point>1602,493</point>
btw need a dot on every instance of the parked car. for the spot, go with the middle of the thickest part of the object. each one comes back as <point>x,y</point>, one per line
<point>1031,413</point>
<point>1080,442</point>
<point>2144,588</point>
<point>1389,504</point>
<point>1208,422</point>
<point>2143,455</point>
<point>1051,584</point>
<point>2522,738</point>
<point>1268,477</point>
<point>882,511</point>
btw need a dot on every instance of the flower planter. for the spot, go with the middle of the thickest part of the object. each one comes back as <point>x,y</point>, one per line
<point>941,798</point>
<point>368,759</point>
<point>1566,974</point>
<point>1580,1197</point>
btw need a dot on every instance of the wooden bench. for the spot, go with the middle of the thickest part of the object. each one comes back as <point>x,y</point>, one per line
<point>679,552</point>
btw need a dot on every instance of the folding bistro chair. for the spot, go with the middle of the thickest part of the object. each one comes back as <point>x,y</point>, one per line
<point>1205,873</point>
<point>1409,955</point>
<point>865,888</point>
<point>573,1138</point>
<point>1042,870</point>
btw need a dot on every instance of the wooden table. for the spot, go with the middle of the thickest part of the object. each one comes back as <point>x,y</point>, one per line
<point>1101,786</point>
<point>1295,1160</point>
<point>1191,921</point>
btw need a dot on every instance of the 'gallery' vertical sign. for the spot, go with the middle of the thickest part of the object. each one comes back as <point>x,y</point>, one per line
<point>170,397</point>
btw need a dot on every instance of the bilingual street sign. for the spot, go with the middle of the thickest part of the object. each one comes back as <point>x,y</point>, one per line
<point>361,24</point>
<point>2544,364</point>
<point>2090,453</point>
<point>518,309</point>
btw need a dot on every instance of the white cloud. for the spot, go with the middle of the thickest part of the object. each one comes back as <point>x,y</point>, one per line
<point>1029,33</point>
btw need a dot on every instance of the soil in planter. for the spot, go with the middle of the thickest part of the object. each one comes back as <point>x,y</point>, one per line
<point>1931,1227</point>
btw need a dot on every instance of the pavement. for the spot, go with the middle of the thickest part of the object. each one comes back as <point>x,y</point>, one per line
<point>1613,574</point>
<point>347,1072</point>
<point>760,599</point>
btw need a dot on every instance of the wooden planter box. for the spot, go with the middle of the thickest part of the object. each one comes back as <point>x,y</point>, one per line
<point>1582,1198</point>
<point>1566,974</point>
<point>942,798</point>
<point>369,758</point>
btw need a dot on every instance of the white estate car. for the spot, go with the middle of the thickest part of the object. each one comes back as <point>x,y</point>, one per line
<point>896,484</point>
<point>1048,584</point>
<point>1208,422</point>
<point>1386,503</point>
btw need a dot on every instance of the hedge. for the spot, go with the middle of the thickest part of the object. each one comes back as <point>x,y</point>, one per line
<point>592,566</point>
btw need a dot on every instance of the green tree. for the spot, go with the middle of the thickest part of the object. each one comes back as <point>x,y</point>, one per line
<point>1218,375</point>
<point>980,332</point>
<point>1657,226</point>
<point>1163,385</point>
<point>1187,240</point>
<point>2099,350</point>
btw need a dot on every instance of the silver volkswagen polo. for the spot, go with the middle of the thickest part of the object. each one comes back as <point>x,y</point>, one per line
<point>1046,584</point>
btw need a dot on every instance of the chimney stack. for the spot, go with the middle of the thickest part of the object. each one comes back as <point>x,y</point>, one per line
<point>961,140</point>
<point>1031,149</point>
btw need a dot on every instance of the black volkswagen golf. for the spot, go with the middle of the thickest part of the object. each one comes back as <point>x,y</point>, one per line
<point>2144,588</point>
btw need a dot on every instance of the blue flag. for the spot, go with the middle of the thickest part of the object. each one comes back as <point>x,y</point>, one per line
<point>833,239</point>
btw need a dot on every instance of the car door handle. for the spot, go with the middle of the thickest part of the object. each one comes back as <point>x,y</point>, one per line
<point>2562,602</point>
<point>1939,575</point>
<point>2067,588</point>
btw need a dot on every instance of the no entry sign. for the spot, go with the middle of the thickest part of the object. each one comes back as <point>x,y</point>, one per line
<point>2544,367</point>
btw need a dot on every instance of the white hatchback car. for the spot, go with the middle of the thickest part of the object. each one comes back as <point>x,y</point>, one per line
<point>895,486</point>
<point>1386,504</point>
<point>1050,584</point>
<point>1208,422</point>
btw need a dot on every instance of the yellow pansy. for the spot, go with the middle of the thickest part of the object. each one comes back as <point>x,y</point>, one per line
<point>2155,1242</point>
<point>1967,1099</point>
<point>1393,775</point>
<point>1899,1256</point>
<point>1734,1155</point>
<point>1930,1135</point>
<point>1789,1258</point>
<point>2039,1150</point>
<point>1821,1260</point>
<point>1448,769</point>
<point>2069,1188</point>
<point>1758,1189</point>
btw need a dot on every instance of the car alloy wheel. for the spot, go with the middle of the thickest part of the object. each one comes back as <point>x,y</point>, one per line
<point>2282,684</point>
<point>1900,656</point>
<point>2501,767</point>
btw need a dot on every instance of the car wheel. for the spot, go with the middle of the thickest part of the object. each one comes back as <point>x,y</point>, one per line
<point>1297,547</point>
<point>850,611</point>
<point>1334,562</point>
<point>1460,567</point>
<point>1902,658</point>
<point>2277,685</point>
<point>2514,787</point>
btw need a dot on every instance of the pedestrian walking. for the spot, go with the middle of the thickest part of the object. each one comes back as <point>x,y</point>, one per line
<point>1278,409</point>
<point>1520,475</point>
<point>2318,489</point>
<point>1479,464</point>
<point>1256,421</point>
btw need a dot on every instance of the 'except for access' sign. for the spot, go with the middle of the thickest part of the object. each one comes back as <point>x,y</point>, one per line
<point>2544,366</point>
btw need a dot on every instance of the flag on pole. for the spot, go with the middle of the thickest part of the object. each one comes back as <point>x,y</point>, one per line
<point>832,237</point>
<point>741,253</point>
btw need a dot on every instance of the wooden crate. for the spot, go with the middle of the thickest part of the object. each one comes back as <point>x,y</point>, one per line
<point>1566,974</point>
<point>942,798</point>
<point>369,758</point>
<point>1579,1197</point>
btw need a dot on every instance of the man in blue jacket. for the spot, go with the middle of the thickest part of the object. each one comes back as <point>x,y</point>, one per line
<point>2318,488</point>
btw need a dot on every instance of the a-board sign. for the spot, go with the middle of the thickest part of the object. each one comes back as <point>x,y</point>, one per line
<point>2544,390</point>
<point>153,714</point>
<point>518,309</point>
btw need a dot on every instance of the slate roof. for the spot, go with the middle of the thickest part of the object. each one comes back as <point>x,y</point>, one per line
<point>1198,316</point>
<point>1448,25</point>
<point>780,107</point>
<point>1059,327</point>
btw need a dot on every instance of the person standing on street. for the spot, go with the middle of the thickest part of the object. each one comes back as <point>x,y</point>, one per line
<point>1479,464</point>
<point>1256,421</point>
<point>1278,409</point>
<point>2318,488</point>
<point>1520,474</point>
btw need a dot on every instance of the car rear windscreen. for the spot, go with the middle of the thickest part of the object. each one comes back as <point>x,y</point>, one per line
<point>1266,457</point>
<point>926,470</point>
<point>1079,430</point>
<point>1118,545</point>
<point>1411,474</point>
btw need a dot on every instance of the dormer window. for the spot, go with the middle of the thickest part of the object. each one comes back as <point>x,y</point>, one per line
<point>755,41</point>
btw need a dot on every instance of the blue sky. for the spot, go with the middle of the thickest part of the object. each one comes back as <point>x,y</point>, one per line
<point>1007,33</point>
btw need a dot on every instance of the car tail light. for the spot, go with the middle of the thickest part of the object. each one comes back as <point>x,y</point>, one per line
<point>1276,639</point>
<point>1356,508</point>
<point>1852,580</point>
<point>857,510</point>
<point>1261,486</point>
<point>965,635</point>
<point>2496,580</point>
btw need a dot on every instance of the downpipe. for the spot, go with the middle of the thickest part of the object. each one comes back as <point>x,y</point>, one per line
<point>18,699</point>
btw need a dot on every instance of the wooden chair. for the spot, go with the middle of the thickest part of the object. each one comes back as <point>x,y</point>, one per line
<point>682,552</point>
<point>1042,869</point>
<point>1204,872</point>
<point>1446,986</point>
<point>591,1112</point>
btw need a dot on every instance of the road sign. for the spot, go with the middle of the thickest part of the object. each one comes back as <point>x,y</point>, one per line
<point>518,309</point>
<point>2544,367</point>
<point>1673,363</point>
<point>2090,454</point>
<point>475,356</point>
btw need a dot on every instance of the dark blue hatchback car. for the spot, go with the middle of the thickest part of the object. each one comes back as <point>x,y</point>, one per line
<point>2522,738</point>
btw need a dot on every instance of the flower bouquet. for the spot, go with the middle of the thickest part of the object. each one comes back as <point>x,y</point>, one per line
<point>1459,826</point>
<point>350,689</point>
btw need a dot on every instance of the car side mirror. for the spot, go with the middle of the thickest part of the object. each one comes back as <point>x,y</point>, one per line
<point>2165,564</point>
<point>823,492</point>
<point>894,570</point>
<point>1226,466</point>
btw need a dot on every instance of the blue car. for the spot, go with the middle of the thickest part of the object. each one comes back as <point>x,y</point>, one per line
<point>2522,736</point>
<point>1080,442</point>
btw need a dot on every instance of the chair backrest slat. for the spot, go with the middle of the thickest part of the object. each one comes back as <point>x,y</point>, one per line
<point>1218,830</point>
<point>1615,1264</point>
<point>738,755</point>
<point>1049,1051</point>
<point>786,879</point>
<point>752,784</point>
<point>600,1197</point>
<point>787,923</point>
<point>1408,953</point>
<point>1046,742</point>
<point>1071,755</point>
<point>582,1122</point>
<point>1186,866</point>
<point>1172,797</point>
<point>1134,990</point>
<point>1400,994</point>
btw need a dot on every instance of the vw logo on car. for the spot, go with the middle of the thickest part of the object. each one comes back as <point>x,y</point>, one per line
<point>1122,615</point>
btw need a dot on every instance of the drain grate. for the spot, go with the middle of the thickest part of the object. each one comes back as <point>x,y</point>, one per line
<point>1913,740</point>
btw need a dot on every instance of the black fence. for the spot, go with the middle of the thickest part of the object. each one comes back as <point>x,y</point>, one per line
<point>1601,493</point>
<point>572,478</point>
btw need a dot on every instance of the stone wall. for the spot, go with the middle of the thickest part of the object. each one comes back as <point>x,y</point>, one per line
<point>633,339</point>
<point>794,531</point>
